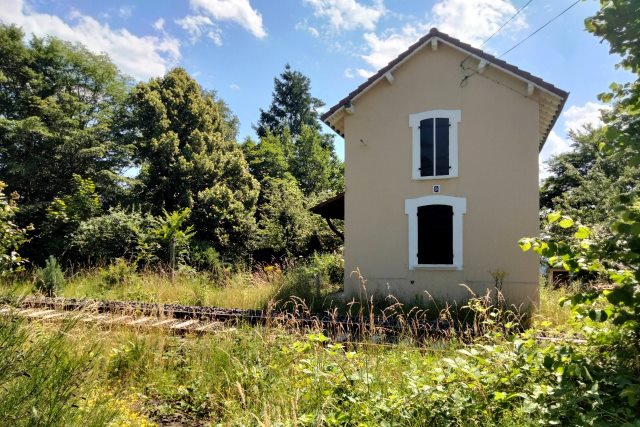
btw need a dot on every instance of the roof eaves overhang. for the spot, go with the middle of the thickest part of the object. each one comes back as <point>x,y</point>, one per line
<point>561,96</point>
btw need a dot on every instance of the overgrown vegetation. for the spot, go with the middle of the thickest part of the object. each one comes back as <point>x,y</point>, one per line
<point>50,279</point>
<point>45,381</point>
<point>251,288</point>
<point>201,205</point>
<point>257,376</point>
<point>142,152</point>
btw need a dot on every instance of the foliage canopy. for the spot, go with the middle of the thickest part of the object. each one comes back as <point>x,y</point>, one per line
<point>187,162</point>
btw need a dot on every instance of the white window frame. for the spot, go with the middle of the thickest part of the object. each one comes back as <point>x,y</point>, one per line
<point>459,206</point>
<point>454,117</point>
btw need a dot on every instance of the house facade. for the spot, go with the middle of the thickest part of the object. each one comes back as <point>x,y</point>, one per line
<point>441,173</point>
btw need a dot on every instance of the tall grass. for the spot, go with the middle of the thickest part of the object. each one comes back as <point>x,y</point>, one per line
<point>275,376</point>
<point>44,382</point>
<point>244,376</point>
<point>244,288</point>
<point>283,375</point>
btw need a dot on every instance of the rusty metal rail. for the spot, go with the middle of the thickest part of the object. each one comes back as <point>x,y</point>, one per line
<point>202,319</point>
<point>181,318</point>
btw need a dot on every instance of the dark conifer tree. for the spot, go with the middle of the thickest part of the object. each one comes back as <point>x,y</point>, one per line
<point>292,105</point>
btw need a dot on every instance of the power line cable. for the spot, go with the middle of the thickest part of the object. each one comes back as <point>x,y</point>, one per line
<point>505,24</point>
<point>466,77</point>
<point>540,28</point>
<point>500,29</point>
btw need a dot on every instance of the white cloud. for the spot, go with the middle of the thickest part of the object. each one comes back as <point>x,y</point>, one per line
<point>555,145</point>
<point>474,21</point>
<point>576,117</point>
<point>125,11</point>
<point>315,33</point>
<point>348,73</point>
<point>141,57</point>
<point>470,21</point>
<point>198,26</point>
<point>348,14</point>
<point>365,73</point>
<point>159,24</point>
<point>238,11</point>
<point>384,49</point>
<point>234,86</point>
<point>306,27</point>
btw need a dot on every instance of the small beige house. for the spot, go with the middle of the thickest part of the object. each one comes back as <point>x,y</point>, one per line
<point>441,173</point>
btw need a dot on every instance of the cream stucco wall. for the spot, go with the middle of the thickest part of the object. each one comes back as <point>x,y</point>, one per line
<point>498,176</point>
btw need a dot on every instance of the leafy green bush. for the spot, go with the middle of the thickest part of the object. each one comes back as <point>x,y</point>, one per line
<point>11,236</point>
<point>335,268</point>
<point>204,257</point>
<point>113,235</point>
<point>50,279</point>
<point>493,383</point>
<point>119,272</point>
<point>329,267</point>
<point>64,215</point>
<point>610,314</point>
<point>303,277</point>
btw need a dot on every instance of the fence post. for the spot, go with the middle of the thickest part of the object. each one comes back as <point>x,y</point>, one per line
<point>172,258</point>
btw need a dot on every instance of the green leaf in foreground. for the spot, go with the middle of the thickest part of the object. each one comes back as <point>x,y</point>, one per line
<point>566,222</point>
<point>525,244</point>
<point>582,233</point>
<point>553,217</point>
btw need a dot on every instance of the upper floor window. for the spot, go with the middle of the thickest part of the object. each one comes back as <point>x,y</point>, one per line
<point>435,144</point>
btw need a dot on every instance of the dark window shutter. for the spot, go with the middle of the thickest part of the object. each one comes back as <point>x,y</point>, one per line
<point>442,146</point>
<point>435,234</point>
<point>426,147</point>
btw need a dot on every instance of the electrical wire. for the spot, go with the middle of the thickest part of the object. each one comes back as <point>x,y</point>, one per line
<point>499,29</point>
<point>463,82</point>
<point>540,28</point>
<point>505,24</point>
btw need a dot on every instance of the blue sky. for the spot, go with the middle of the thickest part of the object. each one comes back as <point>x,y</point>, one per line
<point>237,47</point>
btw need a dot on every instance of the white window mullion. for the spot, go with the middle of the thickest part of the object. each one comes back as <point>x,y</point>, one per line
<point>435,120</point>
<point>454,117</point>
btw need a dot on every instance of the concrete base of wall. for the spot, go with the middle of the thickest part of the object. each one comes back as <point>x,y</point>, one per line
<point>521,295</point>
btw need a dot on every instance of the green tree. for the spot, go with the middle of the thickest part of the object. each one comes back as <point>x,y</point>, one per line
<point>59,109</point>
<point>292,105</point>
<point>230,122</point>
<point>11,235</point>
<point>584,183</point>
<point>292,122</point>
<point>269,158</point>
<point>285,224</point>
<point>311,160</point>
<point>315,164</point>
<point>187,162</point>
<point>618,258</point>
<point>64,215</point>
<point>615,260</point>
<point>617,22</point>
